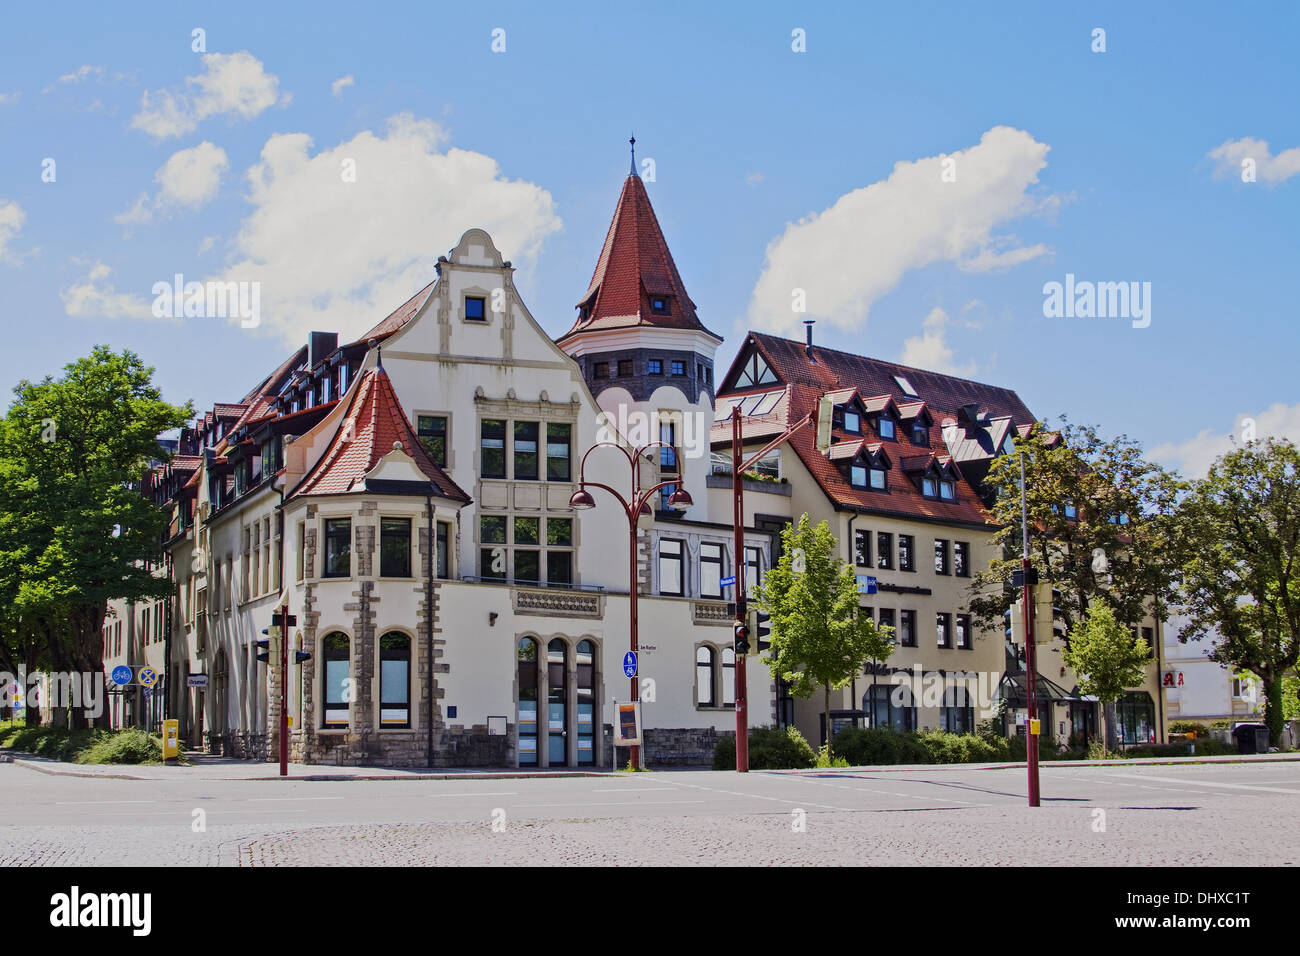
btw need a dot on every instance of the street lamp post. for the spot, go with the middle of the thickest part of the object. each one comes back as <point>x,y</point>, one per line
<point>634,508</point>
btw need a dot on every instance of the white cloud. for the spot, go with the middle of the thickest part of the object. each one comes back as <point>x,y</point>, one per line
<point>340,84</point>
<point>848,256</point>
<point>206,244</point>
<point>332,254</point>
<point>229,83</point>
<point>82,73</point>
<point>753,179</point>
<point>12,218</point>
<point>1268,168</point>
<point>1194,456</point>
<point>191,179</point>
<point>7,98</point>
<point>95,297</point>
<point>930,350</point>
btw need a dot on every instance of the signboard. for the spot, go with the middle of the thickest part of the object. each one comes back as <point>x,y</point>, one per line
<point>121,675</point>
<point>199,681</point>
<point>629,664</point>
<point>866,584</point>
<point>627,728</point>
<point>1172,679</point>
<point>727,582</point>
<point>171,732</point>
<point>147,676</point>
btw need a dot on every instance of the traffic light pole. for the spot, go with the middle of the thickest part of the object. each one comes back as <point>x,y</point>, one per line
<point>284,690</point>
<point>738,517</point>
<point>1031,655</point>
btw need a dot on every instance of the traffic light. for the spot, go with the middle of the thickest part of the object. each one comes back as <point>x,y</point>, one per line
<point>270,647</point>
<point>757,624</point>
<point>1014,620</point>
<point>742,638</point>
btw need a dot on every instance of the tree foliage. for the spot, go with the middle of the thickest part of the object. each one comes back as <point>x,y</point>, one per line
<point>1115,548</point>
<point>1106,657</point>
<point>75,530</point>
<point>1239,538</point>
<point>819,638</point>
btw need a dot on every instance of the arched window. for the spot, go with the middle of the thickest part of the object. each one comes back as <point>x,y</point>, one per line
<point>586,692</point>
<point>526,653</point>
<point>704,677</point>
<point>336,683</point>
<point>728,677</point>
<point>395,680</point>
<point>957,713</point>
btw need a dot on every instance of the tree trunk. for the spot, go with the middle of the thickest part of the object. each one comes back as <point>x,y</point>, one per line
<point>1273,709</point>
<point>828,722</point>
<point>1109,740</point>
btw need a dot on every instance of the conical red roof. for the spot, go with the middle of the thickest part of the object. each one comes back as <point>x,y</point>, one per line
<point>373,422</point>
<point>634,266</point>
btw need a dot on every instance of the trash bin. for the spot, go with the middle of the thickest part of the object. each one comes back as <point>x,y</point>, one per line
<point>1251,738</point>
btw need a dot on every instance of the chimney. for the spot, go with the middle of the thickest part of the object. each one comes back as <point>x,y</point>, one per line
<point>808,324</point>
<point>319,346</point>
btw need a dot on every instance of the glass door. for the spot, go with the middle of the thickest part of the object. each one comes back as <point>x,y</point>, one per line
<point>527,655</point>
<point>586,691</point>
<point>557,701</point>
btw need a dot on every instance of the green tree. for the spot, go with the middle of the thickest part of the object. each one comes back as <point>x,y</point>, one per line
<point>819,638</point>
<point>77,531</point>
<point>1239,530</point>
<point>1106,657</point>
<point>1100,518</point>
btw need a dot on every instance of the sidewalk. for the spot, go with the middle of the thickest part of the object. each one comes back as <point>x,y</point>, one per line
<point>225,768</point>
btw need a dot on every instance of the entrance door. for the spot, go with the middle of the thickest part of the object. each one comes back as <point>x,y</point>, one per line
<point>557,704</point>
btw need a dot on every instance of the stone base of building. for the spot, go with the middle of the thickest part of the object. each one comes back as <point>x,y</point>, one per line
<point>686,747</point>
<point>453,747</point>
<point>239,744</point>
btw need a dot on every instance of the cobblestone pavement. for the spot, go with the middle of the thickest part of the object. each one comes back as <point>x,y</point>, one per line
<point>1188,815</point>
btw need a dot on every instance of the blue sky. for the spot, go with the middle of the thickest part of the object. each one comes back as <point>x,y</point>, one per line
<point>1099,164</point>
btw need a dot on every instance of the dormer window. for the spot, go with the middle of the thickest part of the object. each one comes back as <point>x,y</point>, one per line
<point>1071,512</point>
<point>937,486</point>
<point>885,428</point>
<point>852,422</point>
<point>476,308</point>
<point>948,490</point>
<point>920,434</point>
<point>659,305</point>
<point>861,476</point>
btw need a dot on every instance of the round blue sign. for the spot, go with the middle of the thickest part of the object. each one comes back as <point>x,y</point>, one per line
<point>121,675</point>
<point>629,663</point>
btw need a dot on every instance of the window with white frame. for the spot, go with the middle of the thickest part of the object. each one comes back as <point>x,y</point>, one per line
<point>671,564</point>
<point>711,561</point>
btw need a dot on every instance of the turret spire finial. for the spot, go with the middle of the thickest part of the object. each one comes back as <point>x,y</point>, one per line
<point>632,171</point>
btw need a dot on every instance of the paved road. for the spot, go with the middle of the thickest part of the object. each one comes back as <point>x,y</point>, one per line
<point>1185,814</point>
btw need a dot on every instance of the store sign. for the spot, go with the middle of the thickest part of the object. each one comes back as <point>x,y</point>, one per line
<point>1172,679</point>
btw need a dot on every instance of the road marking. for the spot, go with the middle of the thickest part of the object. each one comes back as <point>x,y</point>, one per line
<point>759,796</point>
<point>290,799</point>
<point>635,790</point>
<point>1203,783</point>
<point>609,803</point>
<point>488,793</point>
<point>73,803</point>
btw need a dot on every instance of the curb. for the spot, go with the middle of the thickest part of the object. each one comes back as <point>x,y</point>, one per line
<point>1045,764</point>
<point>44,768</point>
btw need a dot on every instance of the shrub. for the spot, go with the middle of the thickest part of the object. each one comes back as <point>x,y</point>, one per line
<point>824,759</point>
<point>1188,727</point>
<point>770,748</point>
<point>130,746</point>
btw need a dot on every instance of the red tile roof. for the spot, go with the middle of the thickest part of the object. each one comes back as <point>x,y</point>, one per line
<point>835,371</point>
<point>634,264</point>
<point>373,423</point>
<point>399,317</point>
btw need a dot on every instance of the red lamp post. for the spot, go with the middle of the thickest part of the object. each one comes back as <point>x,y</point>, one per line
<point>634,507</point>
